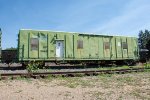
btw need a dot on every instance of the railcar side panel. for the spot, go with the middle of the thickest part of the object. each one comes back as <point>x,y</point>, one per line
<point>100,46</point>
<point>93,53</point>
<point>33,45</point>
<point>124,47</point>
<point>69,46</point>
<point>23,45</point>
<point>130,48</point>
<point>86,47</point>
<point>107,44</point>
<point>118,48</point>
<point>113,49</point>
<point>51,46</point>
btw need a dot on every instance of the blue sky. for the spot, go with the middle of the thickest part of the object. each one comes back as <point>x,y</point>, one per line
<point>110,17</point>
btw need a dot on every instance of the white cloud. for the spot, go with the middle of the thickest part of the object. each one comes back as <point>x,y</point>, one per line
<point>134,17</point>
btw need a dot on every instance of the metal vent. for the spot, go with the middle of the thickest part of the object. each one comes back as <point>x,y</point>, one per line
<point>34,43</point>
<point>124,45</point>
<point>80,44</point>
<point>106,45</point>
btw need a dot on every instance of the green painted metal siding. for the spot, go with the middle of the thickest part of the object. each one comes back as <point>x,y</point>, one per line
<point>113,53</point>
<point>69,45</point>
<point>124,51</point>
<point>76,46</point>
<point>100,46</point>
<point>51,45</point>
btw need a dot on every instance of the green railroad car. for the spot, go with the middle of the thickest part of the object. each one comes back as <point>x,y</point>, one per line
<point>51,46</point>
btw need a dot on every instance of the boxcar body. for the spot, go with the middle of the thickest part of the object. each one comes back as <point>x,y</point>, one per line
<point>64,46</point>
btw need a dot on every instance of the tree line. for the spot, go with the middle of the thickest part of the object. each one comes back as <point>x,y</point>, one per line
<point>144,43</point>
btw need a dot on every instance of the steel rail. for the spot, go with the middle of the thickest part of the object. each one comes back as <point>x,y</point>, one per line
<point>73,72</point>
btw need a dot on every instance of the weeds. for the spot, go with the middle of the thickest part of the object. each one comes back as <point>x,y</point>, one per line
<point>32,66</point>
<point>139,95</point>
<point>106,86</point>
<point>50,77</point>
<point>125,79</point>
<point>95,94</point>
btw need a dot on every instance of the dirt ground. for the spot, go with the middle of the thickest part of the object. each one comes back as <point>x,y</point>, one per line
<point>133,86</point>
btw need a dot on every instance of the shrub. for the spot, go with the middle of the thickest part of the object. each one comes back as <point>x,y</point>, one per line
<point>33,66</point>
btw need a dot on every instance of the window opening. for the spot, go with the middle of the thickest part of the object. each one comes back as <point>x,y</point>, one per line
<point>34,43</point>
<point>107,45</point>
<point>80,44</point>
<point>124,45</point>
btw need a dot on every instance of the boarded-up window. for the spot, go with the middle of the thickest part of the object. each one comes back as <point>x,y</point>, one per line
<point>80,44</point>
<point>34,43</point>
<point>124,45</point>
<point>106,45</point>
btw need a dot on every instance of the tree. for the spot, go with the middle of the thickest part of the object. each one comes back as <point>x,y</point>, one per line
<point>144,41</point>
<point>11,48</point>
<point>148,47</point>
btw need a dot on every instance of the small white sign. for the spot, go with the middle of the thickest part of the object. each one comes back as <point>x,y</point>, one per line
<point>119,44</point>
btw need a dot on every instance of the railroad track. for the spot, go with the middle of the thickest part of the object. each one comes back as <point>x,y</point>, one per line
<point>69,72</point>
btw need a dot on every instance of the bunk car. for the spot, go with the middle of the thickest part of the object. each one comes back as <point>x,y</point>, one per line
<point>71,47</point>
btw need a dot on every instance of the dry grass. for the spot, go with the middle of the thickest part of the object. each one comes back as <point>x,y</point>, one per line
<point>133,86</point>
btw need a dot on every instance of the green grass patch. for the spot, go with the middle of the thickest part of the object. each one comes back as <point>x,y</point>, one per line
<point>125,79</point>
<point>118,67</point>
<point>138,94</point>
